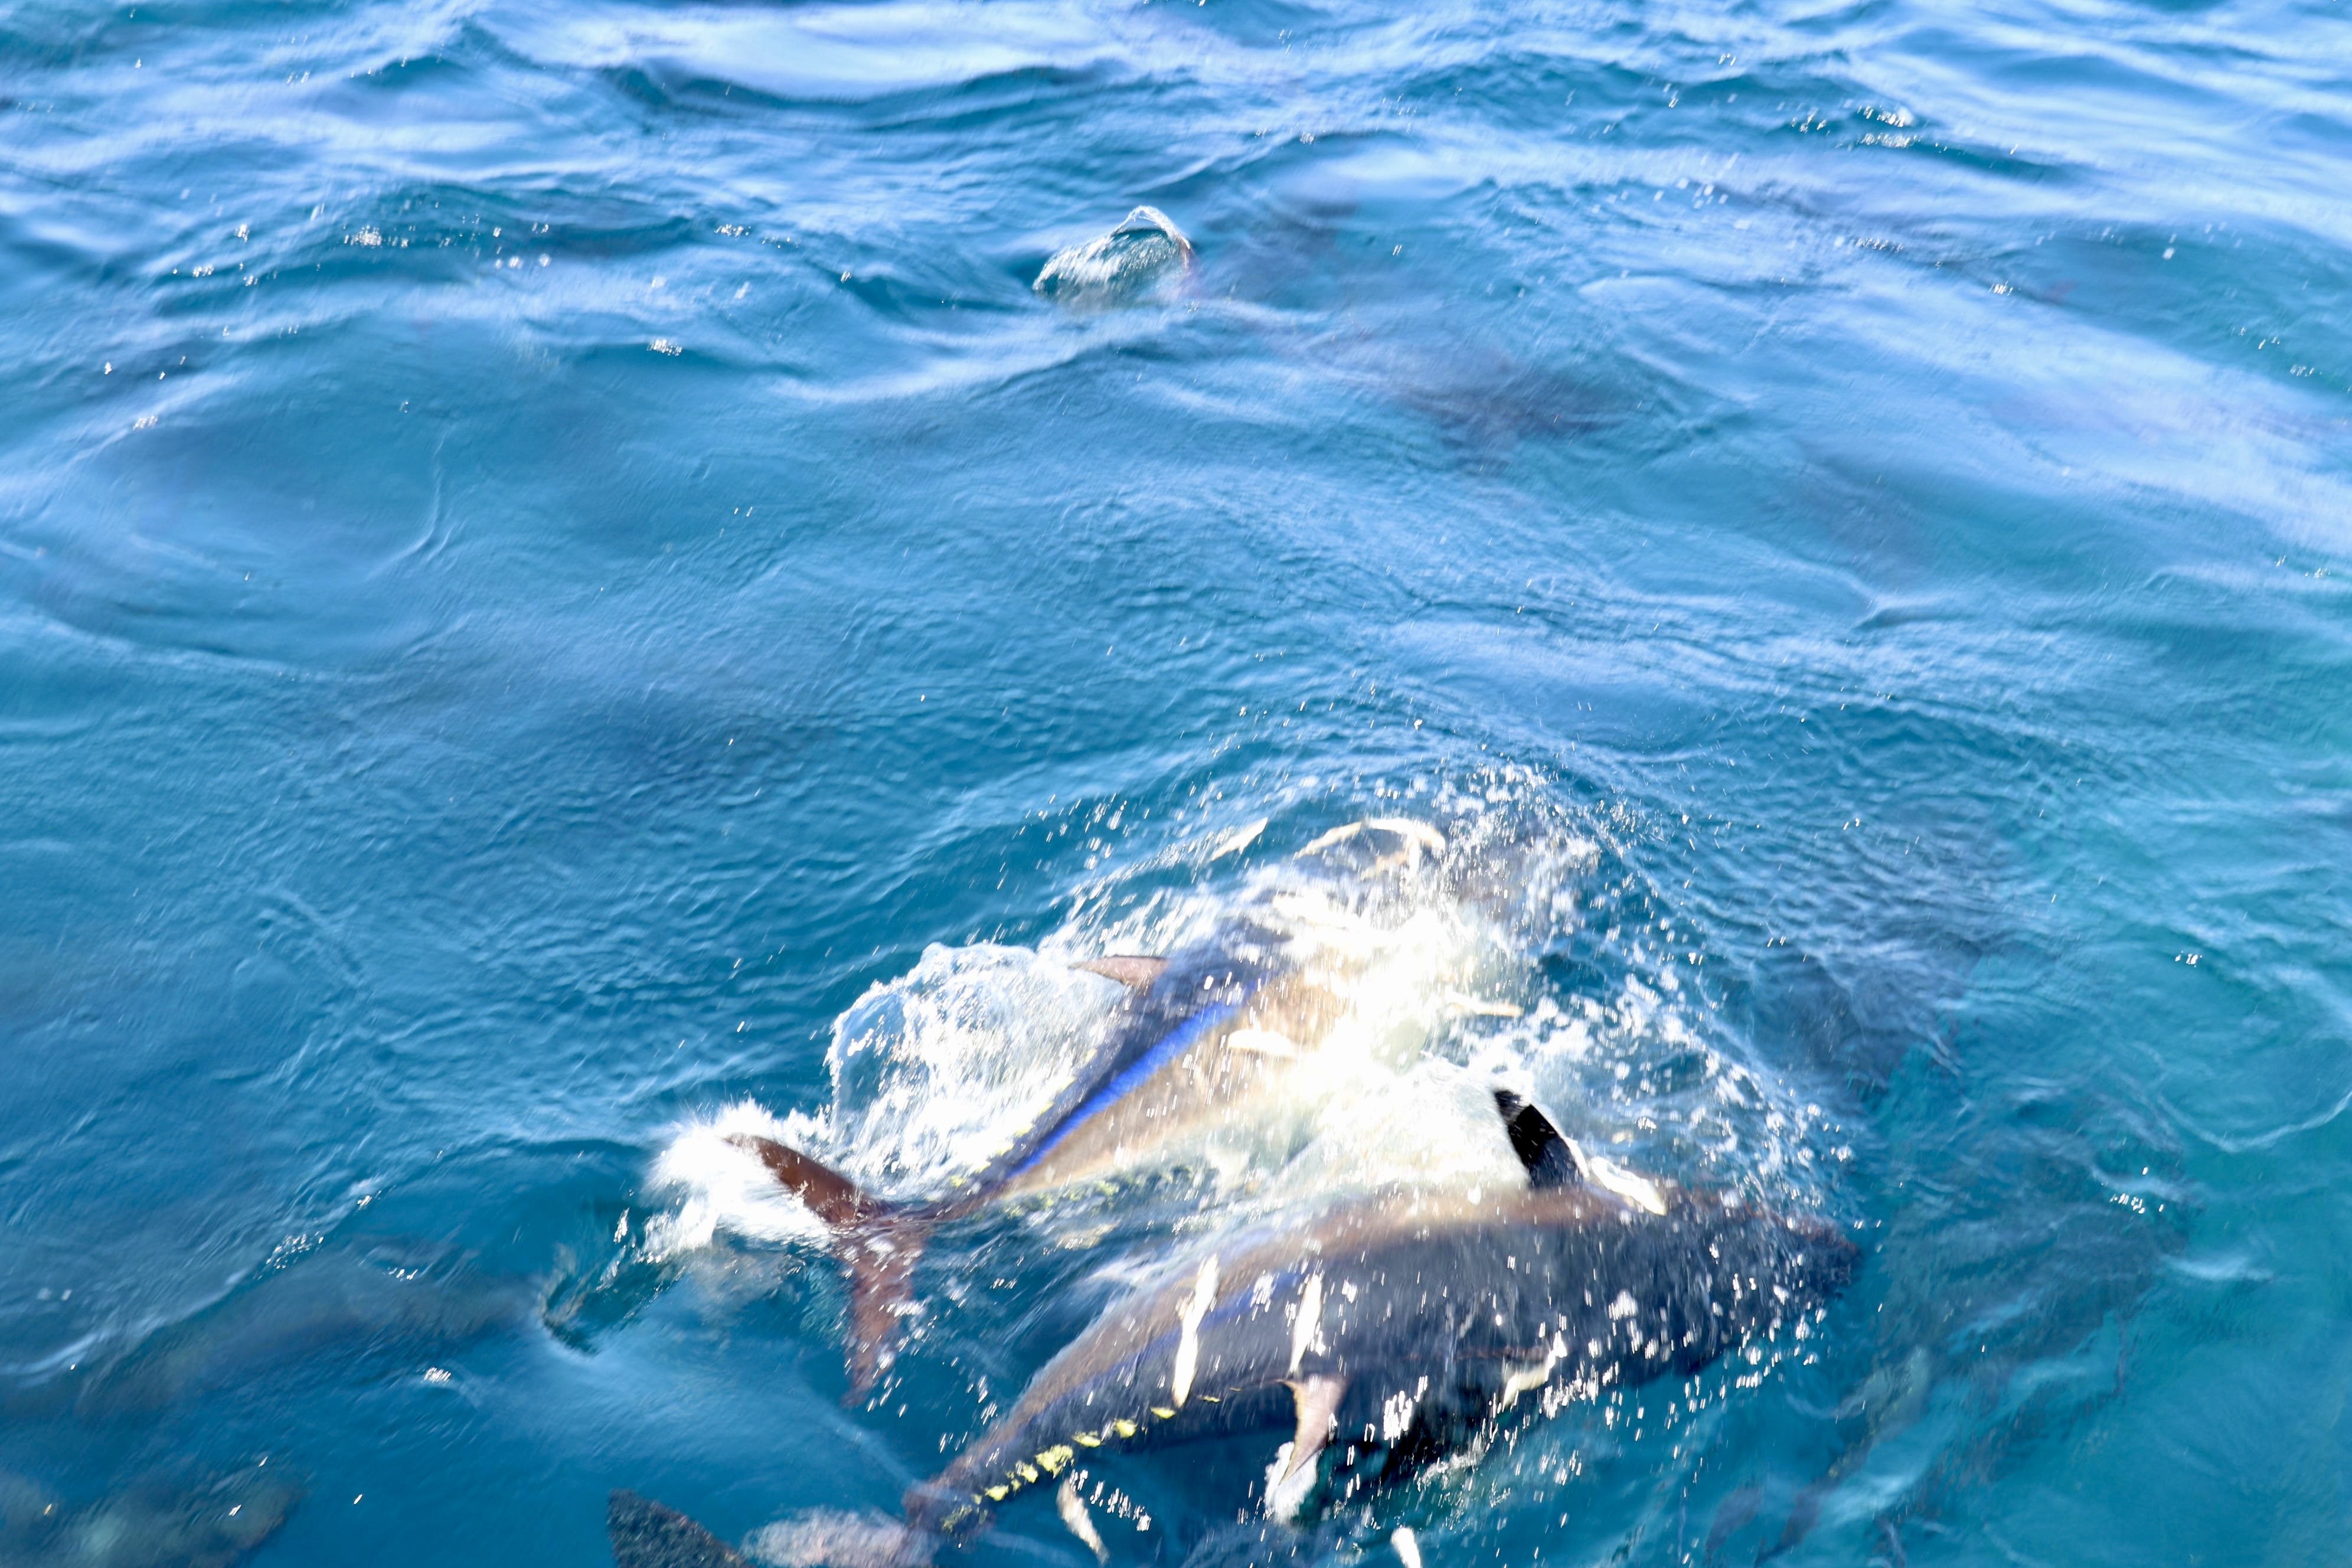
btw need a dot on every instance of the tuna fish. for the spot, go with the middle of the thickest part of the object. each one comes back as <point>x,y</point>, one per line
<point>1406,1320</point>
<point>157,1523</point>
<point>1231,1037</point>
<point>1407,1314</point>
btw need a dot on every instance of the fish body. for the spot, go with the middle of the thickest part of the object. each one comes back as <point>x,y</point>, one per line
<point>341,1302</point>
<point>1246,1026</point>
<point>1153,1051</point>
<point>1229,1076</point>
<point>1402,1319</point>
<point>1400,1311</point>
<point>155,1523</point>
<point>1221,1052</point>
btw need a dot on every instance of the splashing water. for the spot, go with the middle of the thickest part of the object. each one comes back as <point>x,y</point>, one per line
<point>1145,257</point>
<point>726,1187</point>
<point>1431,934</point>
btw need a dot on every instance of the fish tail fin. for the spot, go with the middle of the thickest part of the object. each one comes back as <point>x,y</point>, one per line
<point>877,1243</point>
<point>646,1535</point>
<point>881,1263</point>
<point>833,1197</point>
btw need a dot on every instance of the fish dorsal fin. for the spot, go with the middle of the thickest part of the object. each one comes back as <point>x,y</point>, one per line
<point>647,1535</point>
<point>1137,972</point>
<point>1550,1159</point>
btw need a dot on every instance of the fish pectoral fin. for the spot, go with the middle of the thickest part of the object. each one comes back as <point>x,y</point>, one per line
<point>1318,1399</point>
<point>1524,1377</point>
<point>1292,1475</point>
<point>1482,1008</point>
<point>1075,1518</point>
<point>1263,1042</point>
<point>1611,1177</point>
<point>1137,972</point>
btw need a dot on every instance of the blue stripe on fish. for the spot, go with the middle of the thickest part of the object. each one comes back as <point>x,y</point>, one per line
<point>1172,1045</point>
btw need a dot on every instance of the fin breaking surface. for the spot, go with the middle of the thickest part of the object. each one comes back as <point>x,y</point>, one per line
<point>647,1535</point>
<point>1137,972</point>
<point>1550,1159</point>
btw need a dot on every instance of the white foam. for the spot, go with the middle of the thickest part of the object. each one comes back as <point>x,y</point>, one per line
<point>936,1071</point>
<point>1287,1490</point>
<point>720,1186</point>
<point>932,1073</point>
<point>1433,1123</point>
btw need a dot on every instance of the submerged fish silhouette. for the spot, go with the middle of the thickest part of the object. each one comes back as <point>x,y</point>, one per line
<point>1406,1317</point>
<point>154,1524</point>
<point>1212,1032</point>
<point>645,1534</point>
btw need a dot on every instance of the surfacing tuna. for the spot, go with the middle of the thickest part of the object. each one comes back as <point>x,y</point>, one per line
<point>1225,1048</point>
<point>1411,1316</point>
<point>1406,1320</point>
<point>1371,1331</point>
<point>155,1523</point>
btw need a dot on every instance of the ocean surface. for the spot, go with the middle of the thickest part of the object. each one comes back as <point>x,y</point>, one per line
<point>559,587</point>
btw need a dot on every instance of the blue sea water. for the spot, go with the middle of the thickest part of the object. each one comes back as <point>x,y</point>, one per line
<point>547,551</point>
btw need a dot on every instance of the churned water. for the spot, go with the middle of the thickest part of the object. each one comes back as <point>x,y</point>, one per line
<point>554,565</point>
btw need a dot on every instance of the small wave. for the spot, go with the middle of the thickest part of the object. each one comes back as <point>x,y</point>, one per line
<point>827,53</point>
